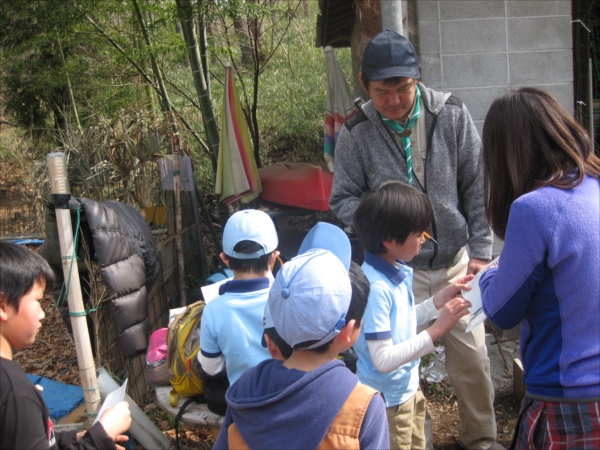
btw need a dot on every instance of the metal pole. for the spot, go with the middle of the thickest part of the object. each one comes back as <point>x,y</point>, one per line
<point>57,165</point>
<point>391,16</point>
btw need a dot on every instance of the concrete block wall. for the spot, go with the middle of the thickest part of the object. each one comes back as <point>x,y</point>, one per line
<point>479,49</point>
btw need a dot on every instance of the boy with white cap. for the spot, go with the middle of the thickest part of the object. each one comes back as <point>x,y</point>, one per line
<point>231,327</point>
<point>310,400</point>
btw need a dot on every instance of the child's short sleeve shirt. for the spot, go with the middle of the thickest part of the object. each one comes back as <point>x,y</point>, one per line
<point>389,315</point>
<point>232,326</point>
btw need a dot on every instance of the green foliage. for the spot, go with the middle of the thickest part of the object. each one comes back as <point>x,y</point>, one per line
<point>106,86</point>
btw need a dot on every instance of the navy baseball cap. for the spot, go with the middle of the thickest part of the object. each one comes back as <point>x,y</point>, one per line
<point>390,55</point>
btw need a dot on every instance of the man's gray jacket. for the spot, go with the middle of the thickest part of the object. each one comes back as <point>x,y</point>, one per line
<point>366,155</point>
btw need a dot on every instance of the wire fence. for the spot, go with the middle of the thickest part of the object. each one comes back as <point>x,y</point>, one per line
<point>22,213</point>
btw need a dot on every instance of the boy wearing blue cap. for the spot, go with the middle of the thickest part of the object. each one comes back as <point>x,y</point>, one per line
<point>231,327</point>
<point>390,223</point>
<point>323,236</point>
<point>310,400</point>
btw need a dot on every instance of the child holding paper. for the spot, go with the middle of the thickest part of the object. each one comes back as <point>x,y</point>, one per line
<point>24,417</point>
<point>542,185</point>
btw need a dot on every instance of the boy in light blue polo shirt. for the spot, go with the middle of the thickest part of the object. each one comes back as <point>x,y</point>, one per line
<point>390,223</point>
<point>232,324</point>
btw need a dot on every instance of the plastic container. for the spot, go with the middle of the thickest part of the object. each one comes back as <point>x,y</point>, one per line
<point>142,428</point>
<point>300,185</point>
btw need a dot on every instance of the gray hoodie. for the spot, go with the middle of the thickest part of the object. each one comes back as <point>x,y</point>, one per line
<point>366,155</point>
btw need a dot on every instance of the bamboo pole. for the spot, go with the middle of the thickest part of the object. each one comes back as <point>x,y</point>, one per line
<point>61,194</point>
<point>189,33</point>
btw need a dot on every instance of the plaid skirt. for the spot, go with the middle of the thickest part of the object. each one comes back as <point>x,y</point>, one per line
<point>557,426</point>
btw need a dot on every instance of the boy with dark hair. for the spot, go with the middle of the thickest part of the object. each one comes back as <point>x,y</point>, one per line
<point>231,326</point>
<point>324,236</point>
<point>25,278</point>
<point>310,400</point>
<point>390,224</point>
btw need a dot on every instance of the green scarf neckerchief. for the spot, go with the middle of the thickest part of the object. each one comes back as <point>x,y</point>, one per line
<point>405,135</point>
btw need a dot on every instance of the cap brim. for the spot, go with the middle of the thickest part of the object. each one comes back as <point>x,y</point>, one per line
<point>391,72</point>
<point>328,237</point>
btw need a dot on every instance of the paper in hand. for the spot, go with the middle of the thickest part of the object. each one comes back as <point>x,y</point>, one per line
<point>474,296</point>
<point>112,399</point>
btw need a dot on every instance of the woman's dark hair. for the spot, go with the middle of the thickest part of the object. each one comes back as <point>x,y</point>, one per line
<point>361,289</point>
<point>20,269</point>
<point>531,141</point>
<point>392,210</point>
<point>255,265</point>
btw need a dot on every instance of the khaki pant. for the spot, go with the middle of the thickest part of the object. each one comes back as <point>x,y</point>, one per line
<point>467,364</point>
<point>405,423</point>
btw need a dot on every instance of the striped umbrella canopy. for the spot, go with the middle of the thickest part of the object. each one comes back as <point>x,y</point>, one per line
<point>237,174</point>
<point>339,106</point>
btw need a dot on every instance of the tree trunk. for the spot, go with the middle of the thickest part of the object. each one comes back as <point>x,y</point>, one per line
<point>176,170</point>
<point>212,133</point>
<point>241,29</point>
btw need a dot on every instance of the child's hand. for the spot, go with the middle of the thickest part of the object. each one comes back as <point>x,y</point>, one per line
<point>450,314</point>
<point>116,421</point>
<point>451,291</point>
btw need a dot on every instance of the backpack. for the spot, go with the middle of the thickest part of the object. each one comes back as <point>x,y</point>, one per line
<point>183,343</point>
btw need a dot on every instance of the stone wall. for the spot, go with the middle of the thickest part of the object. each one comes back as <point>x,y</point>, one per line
<point>479,49</point>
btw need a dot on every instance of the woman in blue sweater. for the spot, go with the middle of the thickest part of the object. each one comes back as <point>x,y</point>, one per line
<point>543,193</point>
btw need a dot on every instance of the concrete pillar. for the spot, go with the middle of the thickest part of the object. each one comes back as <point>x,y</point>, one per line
<point>391,16</point>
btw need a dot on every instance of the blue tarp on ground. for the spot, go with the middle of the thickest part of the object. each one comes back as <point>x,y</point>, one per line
<point>61,398</point>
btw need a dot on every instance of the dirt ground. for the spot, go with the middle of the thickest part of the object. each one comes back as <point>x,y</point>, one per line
<point>53,356</point>
<point>442,401</point>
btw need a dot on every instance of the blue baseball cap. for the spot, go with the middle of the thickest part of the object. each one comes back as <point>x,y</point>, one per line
<point>390,55</point>
<point>309,298</point>
<point>328,237</point>
<point>249,225</point>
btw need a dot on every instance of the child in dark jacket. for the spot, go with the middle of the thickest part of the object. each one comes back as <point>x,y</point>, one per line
<point>24,417</point>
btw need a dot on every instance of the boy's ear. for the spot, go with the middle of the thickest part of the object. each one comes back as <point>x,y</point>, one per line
<point>346,333</point>
<point>3,307</point>
<point>224,258</point>
<point>388,243</point>
<point>273,349</point>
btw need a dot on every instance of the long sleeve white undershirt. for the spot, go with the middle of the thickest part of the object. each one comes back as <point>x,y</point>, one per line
<point>211,366</point>
<point>387,357</point>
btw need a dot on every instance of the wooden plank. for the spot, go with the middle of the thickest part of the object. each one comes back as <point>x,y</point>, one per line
<point>196,414</point>
<point>8,237</point>
<point>518,382</point>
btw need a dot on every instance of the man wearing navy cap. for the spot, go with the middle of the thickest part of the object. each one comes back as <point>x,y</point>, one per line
<point>425,138</point>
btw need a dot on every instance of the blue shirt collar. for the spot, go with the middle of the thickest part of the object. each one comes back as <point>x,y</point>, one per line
<point>241,286</point>
<point>395,275</point>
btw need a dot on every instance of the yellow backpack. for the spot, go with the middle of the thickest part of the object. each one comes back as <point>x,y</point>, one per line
<point>183,345</point>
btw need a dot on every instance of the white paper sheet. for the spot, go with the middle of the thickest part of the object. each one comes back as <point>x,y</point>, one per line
<point>112,399</point>
<point>211,291</point>
<point>474,296</point>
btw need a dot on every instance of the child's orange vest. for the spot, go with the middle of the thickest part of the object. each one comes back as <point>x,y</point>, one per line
<point>344,430</point>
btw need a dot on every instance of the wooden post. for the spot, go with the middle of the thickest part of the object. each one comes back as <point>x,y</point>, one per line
<point>61,195</point>
<point>178,227</point>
